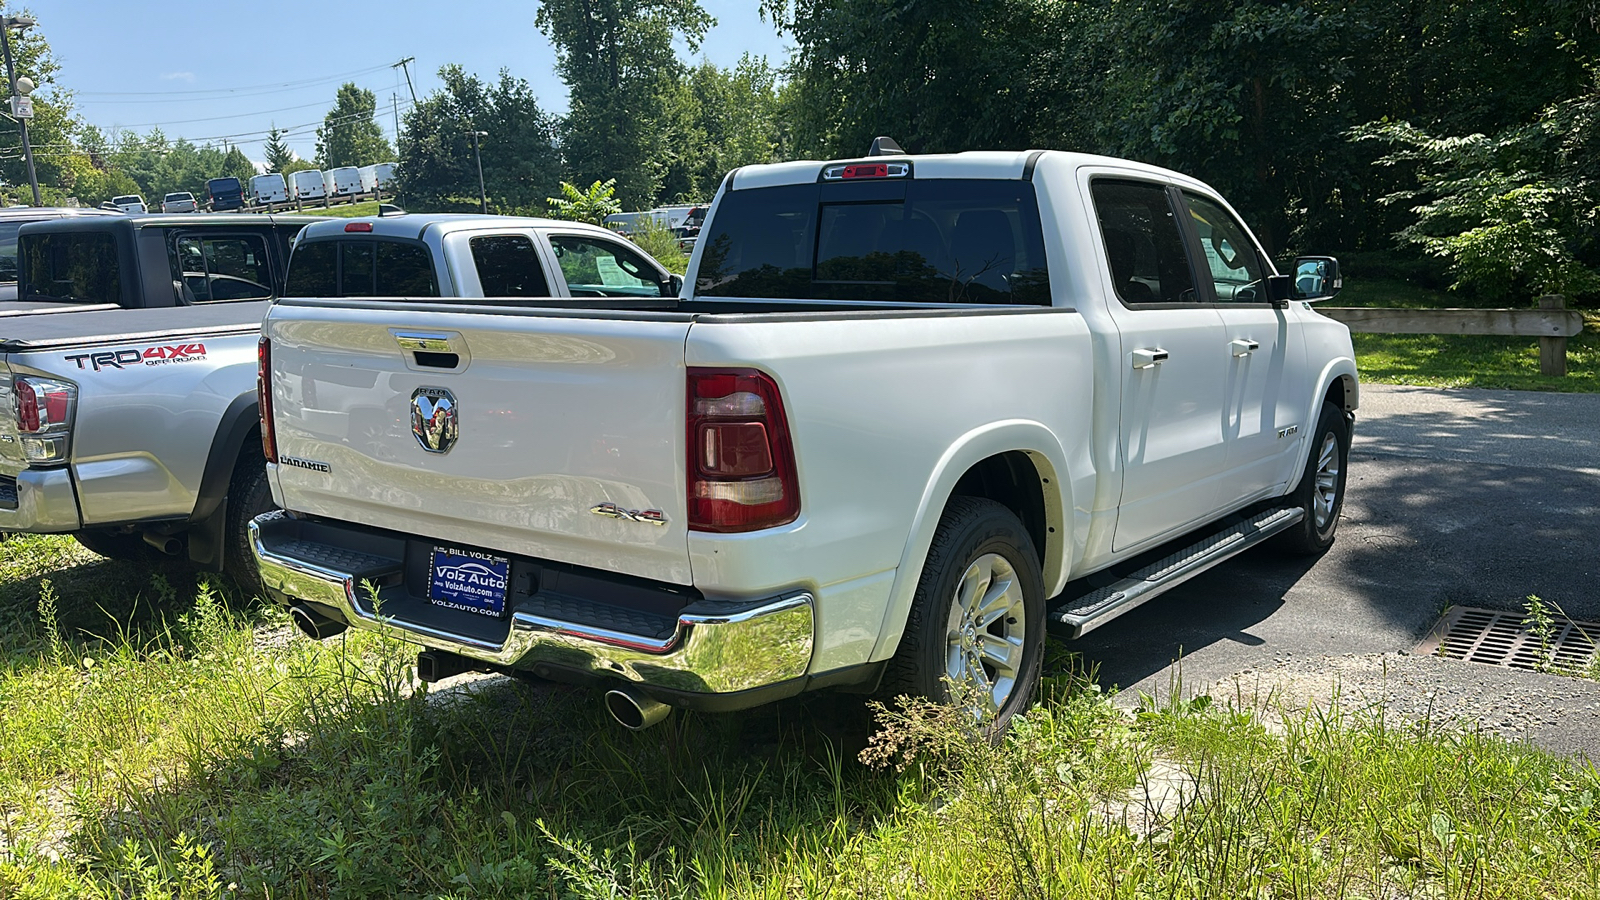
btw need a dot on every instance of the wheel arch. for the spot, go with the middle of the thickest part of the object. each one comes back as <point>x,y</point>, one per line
<point>1019,464</point>
<point>1337,384</point>
<point>240,421</point>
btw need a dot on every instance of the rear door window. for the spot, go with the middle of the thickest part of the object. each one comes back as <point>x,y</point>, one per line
<point>361,268</point>
<point>594,267</point>
<point>1144,248</point>
<point>914,241</point>
<point>508,266</point>
<point>224,267</point>
<point>79,267</point>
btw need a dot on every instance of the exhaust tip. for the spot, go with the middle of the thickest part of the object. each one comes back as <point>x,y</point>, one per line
<point>633,710</point>
<point>313,624</point>
<point>166,543</point>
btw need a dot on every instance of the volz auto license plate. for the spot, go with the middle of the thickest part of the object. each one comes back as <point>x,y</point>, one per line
<point>469,580</point>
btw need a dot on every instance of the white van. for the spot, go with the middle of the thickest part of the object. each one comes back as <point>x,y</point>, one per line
<point>385,174</point>
<point>343,181</point>
<point>268,188</point>
<point>308,185</point>
<point>369,179</point>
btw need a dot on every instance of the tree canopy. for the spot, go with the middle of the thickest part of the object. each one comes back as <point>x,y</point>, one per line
<point>350,135</point>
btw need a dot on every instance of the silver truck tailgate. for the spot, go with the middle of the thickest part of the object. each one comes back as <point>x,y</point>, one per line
<point>554,416</point>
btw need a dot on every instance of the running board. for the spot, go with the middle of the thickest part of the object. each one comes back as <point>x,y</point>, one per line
<point>1077,616</point>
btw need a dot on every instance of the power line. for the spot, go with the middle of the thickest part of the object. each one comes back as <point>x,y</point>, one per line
<point>322,79</point>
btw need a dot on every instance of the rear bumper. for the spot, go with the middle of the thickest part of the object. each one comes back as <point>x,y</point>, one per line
<point>42,501</point>
<point>356,575</point>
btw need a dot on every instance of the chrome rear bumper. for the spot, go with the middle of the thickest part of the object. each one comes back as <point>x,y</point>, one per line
<point>713,648</point>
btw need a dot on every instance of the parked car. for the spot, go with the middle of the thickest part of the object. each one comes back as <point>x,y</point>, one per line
<point>343,182</point>
<point>11,221</point>
<point>308,185</point>
<point>907,413</point>
<point>129,203</point>
<point>225,194</point>
<point>179,202</point>
<point>127,370</point>
<point>268,189</point>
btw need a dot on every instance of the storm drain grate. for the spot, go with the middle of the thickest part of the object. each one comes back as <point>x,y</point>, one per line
<point>1509,639</point>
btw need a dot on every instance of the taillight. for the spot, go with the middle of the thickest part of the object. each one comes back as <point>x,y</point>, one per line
<point>269,440</point>
<point>44,408</point>
<point>741,459</point>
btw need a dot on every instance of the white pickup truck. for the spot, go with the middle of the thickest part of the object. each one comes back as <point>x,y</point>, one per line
<point>907,413</point>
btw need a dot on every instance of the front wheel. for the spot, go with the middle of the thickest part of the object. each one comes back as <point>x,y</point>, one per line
<point>975,632</point>
<point>1321,491</point>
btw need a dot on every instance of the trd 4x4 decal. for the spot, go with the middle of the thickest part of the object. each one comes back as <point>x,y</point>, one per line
<point>149,356</point>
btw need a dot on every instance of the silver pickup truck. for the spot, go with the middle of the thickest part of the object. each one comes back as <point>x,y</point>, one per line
<point>127,382</point>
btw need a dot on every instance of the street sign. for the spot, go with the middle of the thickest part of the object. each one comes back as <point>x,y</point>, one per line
<point>22,107</point>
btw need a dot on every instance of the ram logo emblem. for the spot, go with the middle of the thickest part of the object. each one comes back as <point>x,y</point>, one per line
<point>434,419</point>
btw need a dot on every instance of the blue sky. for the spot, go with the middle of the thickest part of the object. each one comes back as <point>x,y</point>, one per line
<point>224,69</point>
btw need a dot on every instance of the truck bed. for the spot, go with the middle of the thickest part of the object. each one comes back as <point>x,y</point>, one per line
<point>89,327</point>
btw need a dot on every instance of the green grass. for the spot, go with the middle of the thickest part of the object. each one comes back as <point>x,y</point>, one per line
<point>163,738</point>
<point>1433,360</point>
<point>347,210</point>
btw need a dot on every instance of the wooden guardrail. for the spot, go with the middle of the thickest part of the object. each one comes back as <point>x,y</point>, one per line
<point>1552,323</point>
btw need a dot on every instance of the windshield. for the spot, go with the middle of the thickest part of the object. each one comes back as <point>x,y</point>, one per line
<point>928,241</point>
<point>183,196</point>
<point>125,201</point>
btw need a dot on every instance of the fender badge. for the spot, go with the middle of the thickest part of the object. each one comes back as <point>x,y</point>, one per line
<point>613,511</point>
<point>1286,432</point>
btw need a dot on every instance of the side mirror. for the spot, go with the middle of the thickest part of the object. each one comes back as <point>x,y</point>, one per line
<point>674,286</point>
<point>1315,278</point>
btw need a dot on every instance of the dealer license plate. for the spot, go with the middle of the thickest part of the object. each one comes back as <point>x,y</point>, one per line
<point>468,580</point>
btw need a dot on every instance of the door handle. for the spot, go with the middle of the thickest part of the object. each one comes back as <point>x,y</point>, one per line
<point>1148,357</point>
<point>1242,347</point>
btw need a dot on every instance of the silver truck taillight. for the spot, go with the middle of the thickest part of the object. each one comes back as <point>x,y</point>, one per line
<point>269,438</point>
<point>44,408</point>
<point>741,459</point>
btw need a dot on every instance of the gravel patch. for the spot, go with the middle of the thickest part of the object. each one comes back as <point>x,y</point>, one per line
<point>1554,712</point>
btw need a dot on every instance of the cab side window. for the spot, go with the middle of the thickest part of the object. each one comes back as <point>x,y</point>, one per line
<point>1144,248</point>
<point>1236,269</point>
<point>508,266</point>
<point>225,267</point>
<point>600,268</point>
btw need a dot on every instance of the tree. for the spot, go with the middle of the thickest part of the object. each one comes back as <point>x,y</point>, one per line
<point>617,60</point>
<point>236,164</point>
<point>52,129</point>
<point>736,121</point>
<point>521,166</point>
<point>277,151</point>
<point>590,206</point>
<point>350,135</point>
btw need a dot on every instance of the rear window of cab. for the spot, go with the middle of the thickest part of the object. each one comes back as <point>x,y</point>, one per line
<point>361,267</point>
<point>912,241</point>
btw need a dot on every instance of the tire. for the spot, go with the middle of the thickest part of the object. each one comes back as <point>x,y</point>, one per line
<point>1321,491</point>
<point>979,542</point>
<point>113,545</point>
<point>249,495</point>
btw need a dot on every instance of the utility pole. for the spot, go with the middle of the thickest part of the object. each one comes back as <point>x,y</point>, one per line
<point>394,104</point>
<point>19,88</point>
<point>483,198</point>
<point>404,66</point>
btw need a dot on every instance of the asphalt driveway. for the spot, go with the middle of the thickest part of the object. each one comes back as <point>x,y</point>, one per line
<point>1455,497</point>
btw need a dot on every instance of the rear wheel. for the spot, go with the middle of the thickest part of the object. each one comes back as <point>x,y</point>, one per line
<point>977,619</point>
<point>249,495</point>
<point>1321,491</point>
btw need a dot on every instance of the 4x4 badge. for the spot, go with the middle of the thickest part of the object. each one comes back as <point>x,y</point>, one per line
<point>613,511</point>
<point>433,419</point>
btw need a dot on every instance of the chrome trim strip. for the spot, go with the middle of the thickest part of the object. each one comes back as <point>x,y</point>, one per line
<point>708,652</point>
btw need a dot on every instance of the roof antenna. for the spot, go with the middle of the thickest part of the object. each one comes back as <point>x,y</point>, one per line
<point>885,146</point>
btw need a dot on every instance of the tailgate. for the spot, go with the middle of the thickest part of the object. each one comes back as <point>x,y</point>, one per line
<point>553,417</point>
